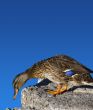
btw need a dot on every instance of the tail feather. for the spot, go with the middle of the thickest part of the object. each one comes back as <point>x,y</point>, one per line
<point>90,78</point>
<point>91,75</point>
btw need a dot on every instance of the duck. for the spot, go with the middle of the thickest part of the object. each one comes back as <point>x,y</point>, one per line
<point>59,69</point>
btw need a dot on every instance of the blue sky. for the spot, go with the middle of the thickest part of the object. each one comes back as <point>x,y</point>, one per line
<point>33,30</point>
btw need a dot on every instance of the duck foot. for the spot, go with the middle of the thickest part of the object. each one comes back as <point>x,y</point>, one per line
<point>59,90</point>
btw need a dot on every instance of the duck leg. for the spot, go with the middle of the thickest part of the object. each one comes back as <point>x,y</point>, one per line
<point>59,90</point>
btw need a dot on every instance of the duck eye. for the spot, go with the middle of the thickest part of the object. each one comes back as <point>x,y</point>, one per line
<point>15,86</point>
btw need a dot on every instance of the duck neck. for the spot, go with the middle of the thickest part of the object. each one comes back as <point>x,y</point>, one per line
<point>24,77</point>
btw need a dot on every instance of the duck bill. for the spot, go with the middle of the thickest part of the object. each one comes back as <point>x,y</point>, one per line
<point>15,93</point>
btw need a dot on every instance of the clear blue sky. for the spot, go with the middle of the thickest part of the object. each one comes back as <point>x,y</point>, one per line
<point>31,30</point>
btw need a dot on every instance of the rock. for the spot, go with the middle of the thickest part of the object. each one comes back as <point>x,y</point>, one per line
<point>77,98</point>
<point>36,98</point>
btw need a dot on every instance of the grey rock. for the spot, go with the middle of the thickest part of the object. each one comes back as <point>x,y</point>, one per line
<point>77,98</point>
<point>39,99</point>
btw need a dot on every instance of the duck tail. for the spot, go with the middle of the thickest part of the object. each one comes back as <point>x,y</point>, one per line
<point>90,78</point>
<point>91,74</point>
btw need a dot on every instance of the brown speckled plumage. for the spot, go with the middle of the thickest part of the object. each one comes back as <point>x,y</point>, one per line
<point>53,69</point>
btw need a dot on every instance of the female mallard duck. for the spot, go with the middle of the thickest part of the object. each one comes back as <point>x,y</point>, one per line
<point>59,69</point>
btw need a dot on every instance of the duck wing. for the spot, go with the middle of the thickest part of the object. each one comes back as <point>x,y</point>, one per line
<point>64,62</point>
<point>74,64</point>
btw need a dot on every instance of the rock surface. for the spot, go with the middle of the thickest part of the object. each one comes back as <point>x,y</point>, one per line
<point>36,98</point>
